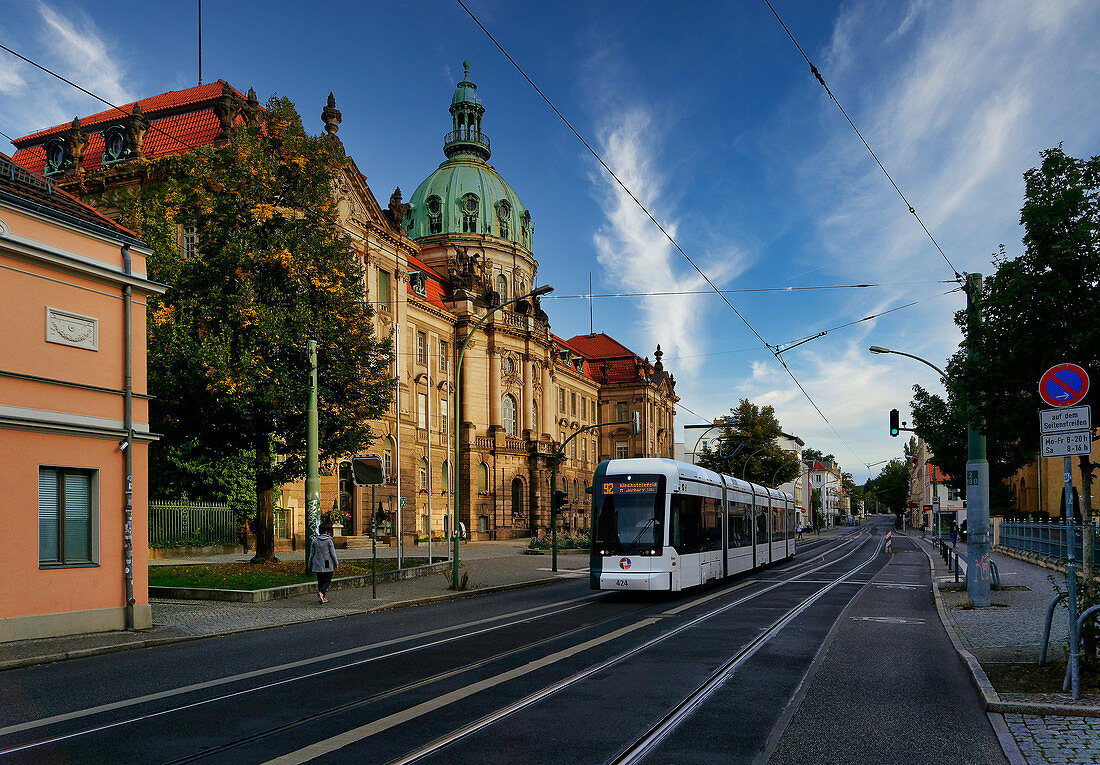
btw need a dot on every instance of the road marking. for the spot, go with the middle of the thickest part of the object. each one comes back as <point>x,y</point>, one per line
<point>364,731</point>
<point>122,704</point>
<point>886,620</point>
<point>900,586</point>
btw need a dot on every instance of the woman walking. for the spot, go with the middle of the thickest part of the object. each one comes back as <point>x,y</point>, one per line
<point>322,559</point>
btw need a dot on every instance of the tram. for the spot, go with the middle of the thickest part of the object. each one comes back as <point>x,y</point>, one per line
<point>659,524</point>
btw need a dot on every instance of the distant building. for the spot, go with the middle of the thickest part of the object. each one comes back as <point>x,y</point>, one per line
<point>826,477</point>
<point>932,503</point>
<point>74,414</point>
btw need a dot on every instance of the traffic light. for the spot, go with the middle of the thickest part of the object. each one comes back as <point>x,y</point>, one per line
<point>558,500</point>
<point>895,426</point>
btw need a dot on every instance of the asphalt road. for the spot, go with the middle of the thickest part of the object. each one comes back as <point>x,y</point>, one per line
<point>818,659</point>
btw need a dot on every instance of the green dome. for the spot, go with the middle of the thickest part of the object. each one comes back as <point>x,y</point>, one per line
<point>466,195</point>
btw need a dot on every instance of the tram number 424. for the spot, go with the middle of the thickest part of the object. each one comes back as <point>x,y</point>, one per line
<point>620,583</point>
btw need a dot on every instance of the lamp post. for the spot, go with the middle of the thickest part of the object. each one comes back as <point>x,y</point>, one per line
<point>880,349</point>
<point>457,415</point>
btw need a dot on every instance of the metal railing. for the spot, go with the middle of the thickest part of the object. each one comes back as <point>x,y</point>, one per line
<point>469,136</point>
<point>174,524</point>
<point>1044,537</point>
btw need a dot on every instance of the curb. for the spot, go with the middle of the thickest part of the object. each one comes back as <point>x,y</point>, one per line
<point>991,700</point>
<point>31,661</point>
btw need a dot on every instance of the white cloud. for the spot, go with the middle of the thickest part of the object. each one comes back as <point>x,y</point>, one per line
<point>635,255</point>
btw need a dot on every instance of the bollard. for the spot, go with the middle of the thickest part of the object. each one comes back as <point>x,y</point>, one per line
<point>889,544</point>
<point>956,568</point>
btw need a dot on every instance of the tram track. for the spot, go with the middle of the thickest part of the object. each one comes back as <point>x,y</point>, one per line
<point>806,565</point>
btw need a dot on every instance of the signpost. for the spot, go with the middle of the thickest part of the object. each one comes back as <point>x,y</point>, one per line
<point>1065,431</point>
<point>366,470</point>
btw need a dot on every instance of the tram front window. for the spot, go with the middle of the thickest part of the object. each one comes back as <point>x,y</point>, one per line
<point>629,512</point>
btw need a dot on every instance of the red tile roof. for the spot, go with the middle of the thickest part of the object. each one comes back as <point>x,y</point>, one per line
<point>600,346</point>
<point>435,287</point>
<point>151,107</point>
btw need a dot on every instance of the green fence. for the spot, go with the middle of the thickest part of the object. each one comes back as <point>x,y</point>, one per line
<point>183,524</point>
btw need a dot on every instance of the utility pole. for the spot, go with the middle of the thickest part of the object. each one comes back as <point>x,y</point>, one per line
<point>977,470</point>
<point>313,482</point>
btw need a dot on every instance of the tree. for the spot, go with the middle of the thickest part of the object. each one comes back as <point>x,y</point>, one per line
<point>1038,309</point>
<point>227,357</point>
<point>748,446</point>
<point>891,487</point>
<point>855,493</point>
<point>810,453</point>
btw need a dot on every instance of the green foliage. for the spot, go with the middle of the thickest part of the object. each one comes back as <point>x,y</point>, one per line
<point>748,446</point>
<point>810,453</point>
<point>1039,309</point>
<point>227,342</point>
<point>891,486</point>
<point>189,469</point>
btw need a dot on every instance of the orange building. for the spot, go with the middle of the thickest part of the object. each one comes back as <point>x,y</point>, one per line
<point>74,415</point>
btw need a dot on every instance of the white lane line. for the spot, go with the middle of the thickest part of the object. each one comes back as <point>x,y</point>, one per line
<point>122,704</point>
<point>364,731</point>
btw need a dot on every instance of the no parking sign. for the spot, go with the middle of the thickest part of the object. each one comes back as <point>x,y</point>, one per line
<point>1063,385</point>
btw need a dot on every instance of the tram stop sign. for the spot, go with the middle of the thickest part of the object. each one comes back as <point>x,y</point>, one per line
<point>1063,385</point>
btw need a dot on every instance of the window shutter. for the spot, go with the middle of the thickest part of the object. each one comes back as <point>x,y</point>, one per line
<point>47,516</point>
<point>78,517</point>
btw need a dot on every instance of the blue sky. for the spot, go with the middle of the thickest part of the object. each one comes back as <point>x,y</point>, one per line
<point>708,113</point>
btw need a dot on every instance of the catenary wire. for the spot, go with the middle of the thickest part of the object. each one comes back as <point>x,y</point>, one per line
<point>817,75</point>
<point>746,290</point>
<point>645,210</point>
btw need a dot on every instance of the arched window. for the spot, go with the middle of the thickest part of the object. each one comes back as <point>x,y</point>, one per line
<point>504,219</point>
<point>517,497</point>
<point>470,204</point>
<point>483,477</point>
<point>502,287</point>
<point>576,489</point>
<point>423,474</point>
<point>535,415</point>
<point>387,457</point>
<point>435,215</point>
<point>508,414</point>
<point>444,476</point>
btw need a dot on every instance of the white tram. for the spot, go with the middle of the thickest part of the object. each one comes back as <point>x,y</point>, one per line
<point>659,524</point>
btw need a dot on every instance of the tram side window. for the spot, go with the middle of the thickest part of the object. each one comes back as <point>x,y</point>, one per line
<point>686,534</point>
<point>740,532</point>
<point>779,526</point>
<point>790,523</point>
<point>762,525</point>
<point>712,524</point>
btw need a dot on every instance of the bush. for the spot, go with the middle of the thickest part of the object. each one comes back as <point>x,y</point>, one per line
<point>565,541</point>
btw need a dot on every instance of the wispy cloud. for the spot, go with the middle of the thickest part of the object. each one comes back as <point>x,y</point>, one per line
<point>634,253</point>
<point>70,44</point>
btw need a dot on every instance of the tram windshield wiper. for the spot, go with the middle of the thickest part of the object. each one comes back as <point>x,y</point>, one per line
<point>643,530</point>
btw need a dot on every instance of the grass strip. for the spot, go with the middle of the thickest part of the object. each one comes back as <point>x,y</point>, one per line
<point>257,576</point>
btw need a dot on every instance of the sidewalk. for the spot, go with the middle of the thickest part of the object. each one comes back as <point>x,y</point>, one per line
<point>1047,728</point>
<point>490,566</point>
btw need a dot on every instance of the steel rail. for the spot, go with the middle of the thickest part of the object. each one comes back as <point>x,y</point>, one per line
<point>550,690</point>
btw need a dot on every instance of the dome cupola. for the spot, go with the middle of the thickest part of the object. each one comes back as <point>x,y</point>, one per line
<point>466,195</point>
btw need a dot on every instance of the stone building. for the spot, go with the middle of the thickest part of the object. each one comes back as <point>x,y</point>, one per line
<point>463,243</point>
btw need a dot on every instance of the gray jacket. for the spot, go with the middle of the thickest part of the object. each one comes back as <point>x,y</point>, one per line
<point>322,553</point>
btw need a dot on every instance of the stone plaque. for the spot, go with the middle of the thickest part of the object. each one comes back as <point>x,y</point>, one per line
<point>67,328</point>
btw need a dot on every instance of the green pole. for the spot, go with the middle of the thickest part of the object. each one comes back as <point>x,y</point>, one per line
<point>313,482</point>
<point>455,507</point>
<point>977,471</point>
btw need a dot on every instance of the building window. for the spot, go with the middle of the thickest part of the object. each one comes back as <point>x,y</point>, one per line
<point>620,450</point>
<point>444,351</point>
<point>574,449</point>
<point>423,474</point>
<point>561,400</point>
<point>509,365</point>
<point>502,287</point>
<point>504,219</point>
<point>66,516</point>
<point>387,457</point>
<point>483,477</point>
<point>620,411</point>
<point>189,242</point>
<point>443,415</point>
<point>572,403</point>
<point>435,215</point>
<point>535,415</point>
<point>576,490</point>
<point>593,402</point>
<point>445,476</point>
<point>508,413</point>
<point>469,213</point>
<point>422,411</point>
<point>383,290</point>
<point>421,348</point>
<point>584,451</point>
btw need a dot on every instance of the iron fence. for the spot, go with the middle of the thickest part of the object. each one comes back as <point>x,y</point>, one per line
<point>1045,537</point>
<point>178,524</point>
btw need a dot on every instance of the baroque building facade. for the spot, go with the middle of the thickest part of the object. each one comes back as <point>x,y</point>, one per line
<point>433,268</point>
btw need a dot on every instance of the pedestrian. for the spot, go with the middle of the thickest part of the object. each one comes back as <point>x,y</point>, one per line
<point>799,532</point>
<point>954,532</point>
<point>322,559</point>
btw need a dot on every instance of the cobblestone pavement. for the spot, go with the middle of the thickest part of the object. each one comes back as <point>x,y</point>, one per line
<point>1056,740</point>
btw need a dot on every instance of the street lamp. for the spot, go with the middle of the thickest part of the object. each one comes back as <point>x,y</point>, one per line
<point>880,349</point>
<point>456,470</point>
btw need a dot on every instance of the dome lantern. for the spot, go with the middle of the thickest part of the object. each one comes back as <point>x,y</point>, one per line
<point>466,112</point>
